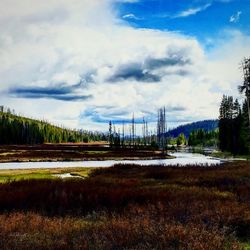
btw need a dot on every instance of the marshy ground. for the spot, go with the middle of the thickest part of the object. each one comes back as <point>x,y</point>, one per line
<point>73,152</point>
<point>28,174</point>
<point>129,207</point>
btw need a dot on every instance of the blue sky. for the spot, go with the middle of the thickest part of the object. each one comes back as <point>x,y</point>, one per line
<point>200,18</point>
<point>82,63</point>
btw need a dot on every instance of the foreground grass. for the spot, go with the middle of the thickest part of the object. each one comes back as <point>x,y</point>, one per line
<point>130,207</point>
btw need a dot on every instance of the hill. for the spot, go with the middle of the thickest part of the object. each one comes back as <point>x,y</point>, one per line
<point>207,125</point>
<point>15,129</point>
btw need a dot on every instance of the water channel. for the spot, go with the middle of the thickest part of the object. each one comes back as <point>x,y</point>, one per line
<point>181,159</point>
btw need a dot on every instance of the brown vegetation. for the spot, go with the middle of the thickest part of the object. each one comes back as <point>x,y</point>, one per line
<point>71,152</point>
<point>130,207</point>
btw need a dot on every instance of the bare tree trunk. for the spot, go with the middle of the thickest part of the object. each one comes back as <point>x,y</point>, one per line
<point>123,135</point>
<point>246,85</point>
<point>161,129</point>
<point>133,130</point>
<point>248,107</point>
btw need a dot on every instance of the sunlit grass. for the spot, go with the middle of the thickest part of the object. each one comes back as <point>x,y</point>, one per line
<point>28,174</point>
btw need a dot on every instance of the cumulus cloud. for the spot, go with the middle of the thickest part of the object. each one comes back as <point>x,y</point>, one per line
<point>75,63</point>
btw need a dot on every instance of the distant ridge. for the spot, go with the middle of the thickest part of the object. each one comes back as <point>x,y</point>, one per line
<point>207,125</point>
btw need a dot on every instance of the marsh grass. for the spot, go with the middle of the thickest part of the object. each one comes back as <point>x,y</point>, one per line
<point>73,152</point>
<point>29,174</point>
<point>130,207</point>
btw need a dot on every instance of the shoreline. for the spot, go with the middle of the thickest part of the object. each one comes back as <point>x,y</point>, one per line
<point>87,159</point>
<point>75,152</point>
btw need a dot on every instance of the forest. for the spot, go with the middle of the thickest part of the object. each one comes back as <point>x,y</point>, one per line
<point>234,118</point>
<point>16,129</point>
<point>230,133</point>
<point>234,133</point>
<point>203,138</point>
<point>206,125</point>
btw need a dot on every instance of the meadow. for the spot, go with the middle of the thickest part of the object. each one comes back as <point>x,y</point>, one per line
<point>129,207</point>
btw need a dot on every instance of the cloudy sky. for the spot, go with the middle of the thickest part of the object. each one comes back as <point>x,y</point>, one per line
<point>81,63</point>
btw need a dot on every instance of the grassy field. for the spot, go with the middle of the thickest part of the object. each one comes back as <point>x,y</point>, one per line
<point>29,174</point>
<point>129,207</point>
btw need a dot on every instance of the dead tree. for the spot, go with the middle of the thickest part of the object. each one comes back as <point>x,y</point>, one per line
<point>162,130</point>
<point>143,132</point>
<point>133,130</point>
<point>123,134</point>
<point>110,134</point>
<point>245,88</point>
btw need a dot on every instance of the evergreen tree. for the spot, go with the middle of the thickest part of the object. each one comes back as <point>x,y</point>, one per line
<point>233,126</point>
<point>20,130</point>
<point>181,140</point>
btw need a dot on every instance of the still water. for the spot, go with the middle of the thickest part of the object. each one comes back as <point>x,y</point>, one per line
<point>181,159</point>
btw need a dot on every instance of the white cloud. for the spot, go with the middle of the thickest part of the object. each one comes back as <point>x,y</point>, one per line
<point>192,11</point>
<point>131,16</point>
<point>128,1</point>
<point>82,45</point>
<point>235,18</point>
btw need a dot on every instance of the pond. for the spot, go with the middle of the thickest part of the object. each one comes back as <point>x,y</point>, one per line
<point>181,159</point>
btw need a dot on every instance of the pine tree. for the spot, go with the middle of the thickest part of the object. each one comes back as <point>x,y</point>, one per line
<point>233,126</point>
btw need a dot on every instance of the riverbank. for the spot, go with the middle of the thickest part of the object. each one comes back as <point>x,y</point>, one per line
<point>74,152</point>
<point>214,152</point>
<point>130,207</point>
<point>229,156</point>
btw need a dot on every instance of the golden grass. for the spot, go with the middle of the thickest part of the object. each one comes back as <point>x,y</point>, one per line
<point>26,174</point>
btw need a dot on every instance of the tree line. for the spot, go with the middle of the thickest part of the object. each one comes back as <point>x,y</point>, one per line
<point>234,123</point>
<point>234,133</point>
<point>16,129</point>
<point>203,138</point>
<point>206,125</point>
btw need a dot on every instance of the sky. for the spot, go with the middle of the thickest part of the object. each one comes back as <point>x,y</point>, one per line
<point>81,63</point>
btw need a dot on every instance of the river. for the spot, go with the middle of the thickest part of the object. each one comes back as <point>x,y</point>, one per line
<point>181,159</point>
